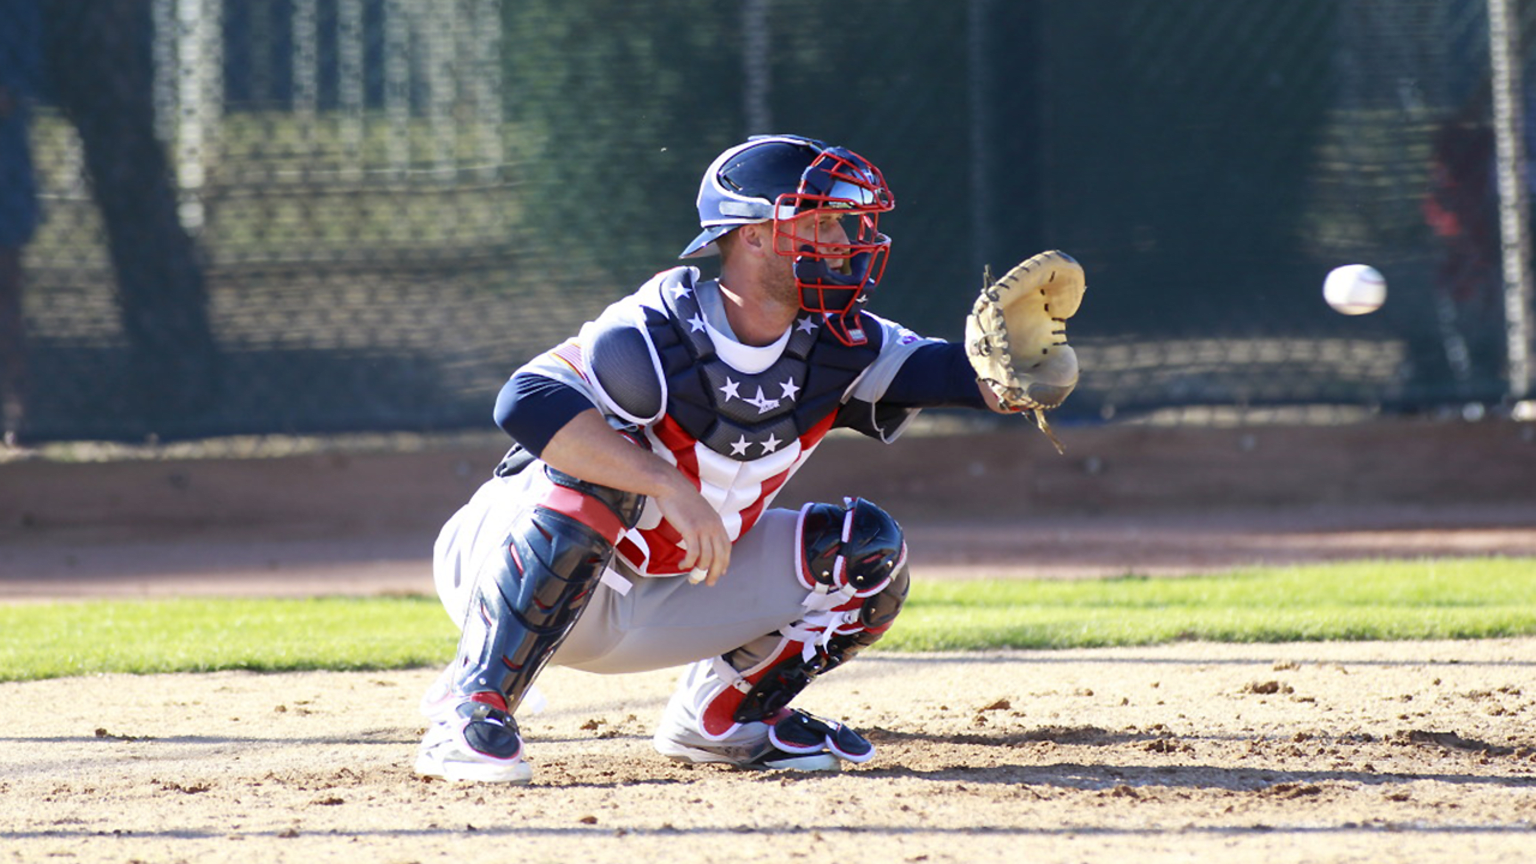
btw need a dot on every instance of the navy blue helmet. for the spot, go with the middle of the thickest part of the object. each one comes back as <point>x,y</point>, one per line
<point>779,178</point>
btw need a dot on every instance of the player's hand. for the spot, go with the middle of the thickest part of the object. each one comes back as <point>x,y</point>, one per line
<point>708,546</point>
<point>994,404</point>
<point>589,449</point>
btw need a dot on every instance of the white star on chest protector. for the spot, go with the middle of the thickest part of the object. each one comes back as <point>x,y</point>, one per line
<point>730,389</point>
<point>762,403</point>
<point>680,291</point>
<point>739,446</point>
<point>790,388</point>
<point>696,323</point>
<point>771,444</point>
<point>805,325</point>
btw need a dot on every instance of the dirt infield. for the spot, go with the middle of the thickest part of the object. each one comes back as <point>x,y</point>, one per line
<point>1411,753</point>
<point>1403,752</point>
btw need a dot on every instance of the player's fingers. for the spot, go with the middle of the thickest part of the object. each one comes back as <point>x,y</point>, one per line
<point>720,560</point>
<point>700,569</point>
<point>690,552</point>
<point>698,566</point>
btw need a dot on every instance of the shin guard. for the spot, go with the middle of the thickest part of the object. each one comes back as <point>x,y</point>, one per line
<point>553,559</point>
<point>853,558</point>
<point>796,664</point>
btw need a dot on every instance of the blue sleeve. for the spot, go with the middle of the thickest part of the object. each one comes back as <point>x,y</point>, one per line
<point>532,408</point>
<point>935,376</point>
<point>20,54</point>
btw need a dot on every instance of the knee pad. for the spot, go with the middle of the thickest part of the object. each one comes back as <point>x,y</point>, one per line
<point>553,558</point>
<point>853,560</point>
<point>853,548</point>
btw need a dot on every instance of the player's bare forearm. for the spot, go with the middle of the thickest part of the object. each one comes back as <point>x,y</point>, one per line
<point>589,449</point>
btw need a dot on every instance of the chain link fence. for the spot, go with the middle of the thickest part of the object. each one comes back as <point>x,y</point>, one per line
<point>315,216</point>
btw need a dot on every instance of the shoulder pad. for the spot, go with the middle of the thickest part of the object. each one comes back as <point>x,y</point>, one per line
<point>624,367</point>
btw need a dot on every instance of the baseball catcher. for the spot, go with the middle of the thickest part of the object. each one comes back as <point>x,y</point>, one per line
<point>631,527</point>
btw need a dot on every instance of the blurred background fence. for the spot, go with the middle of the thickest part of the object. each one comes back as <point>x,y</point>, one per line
<point>311,216</point>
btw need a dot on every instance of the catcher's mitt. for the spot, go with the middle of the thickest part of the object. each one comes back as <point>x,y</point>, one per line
<point>1016,334</point>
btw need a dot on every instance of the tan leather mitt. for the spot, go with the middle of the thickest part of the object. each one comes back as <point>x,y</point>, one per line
<point>1016,334</point>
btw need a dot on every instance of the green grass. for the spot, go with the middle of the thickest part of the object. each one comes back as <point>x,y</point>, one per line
<point>1429,599</point>
<point>202,635</point>
<point>1468,598</point>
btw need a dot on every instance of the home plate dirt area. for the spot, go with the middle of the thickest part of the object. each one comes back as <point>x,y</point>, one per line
<point>1403,752</point>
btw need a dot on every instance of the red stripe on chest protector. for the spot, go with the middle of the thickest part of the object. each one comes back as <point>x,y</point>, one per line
<point>771,486</point>
<point>813,435</point>
<point>681,445</point>
<point>664,542</point>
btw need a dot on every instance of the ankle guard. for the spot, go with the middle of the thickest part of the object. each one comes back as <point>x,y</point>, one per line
<point>555,555</point>
<point>853,560</point>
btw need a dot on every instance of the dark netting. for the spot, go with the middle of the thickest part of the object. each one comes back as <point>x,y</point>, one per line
<point>307,216</point>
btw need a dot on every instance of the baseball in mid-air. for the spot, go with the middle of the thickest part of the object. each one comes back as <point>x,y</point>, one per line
<point>1355,289</point>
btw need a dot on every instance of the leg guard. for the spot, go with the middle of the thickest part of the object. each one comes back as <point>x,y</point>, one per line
<point>853,560</point>
<point>554,556</point>
<point>781,682</point>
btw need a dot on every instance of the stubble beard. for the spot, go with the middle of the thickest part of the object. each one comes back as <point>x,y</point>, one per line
<point>782,287</point>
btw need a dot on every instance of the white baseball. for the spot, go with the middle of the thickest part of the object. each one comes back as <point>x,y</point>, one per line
<point>1355,289</point>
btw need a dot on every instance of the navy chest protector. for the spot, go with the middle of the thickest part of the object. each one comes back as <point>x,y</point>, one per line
<point>741,415</point>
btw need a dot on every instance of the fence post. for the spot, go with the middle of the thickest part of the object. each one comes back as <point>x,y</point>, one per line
<point>1514,196</point>
<point>199,97</point>
<point>755,68</point>
<point>981,108</point>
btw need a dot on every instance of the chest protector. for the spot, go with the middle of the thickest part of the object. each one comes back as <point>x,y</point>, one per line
<point>739,435</point>
<point>680,378</point>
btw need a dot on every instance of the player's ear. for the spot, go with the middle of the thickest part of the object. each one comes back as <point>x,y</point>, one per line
<point>756,236</point>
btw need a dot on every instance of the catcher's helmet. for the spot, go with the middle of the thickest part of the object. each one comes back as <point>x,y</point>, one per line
<point>775,178</point>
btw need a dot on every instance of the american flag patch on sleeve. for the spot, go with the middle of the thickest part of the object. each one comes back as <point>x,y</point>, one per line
<point>569,352</point>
